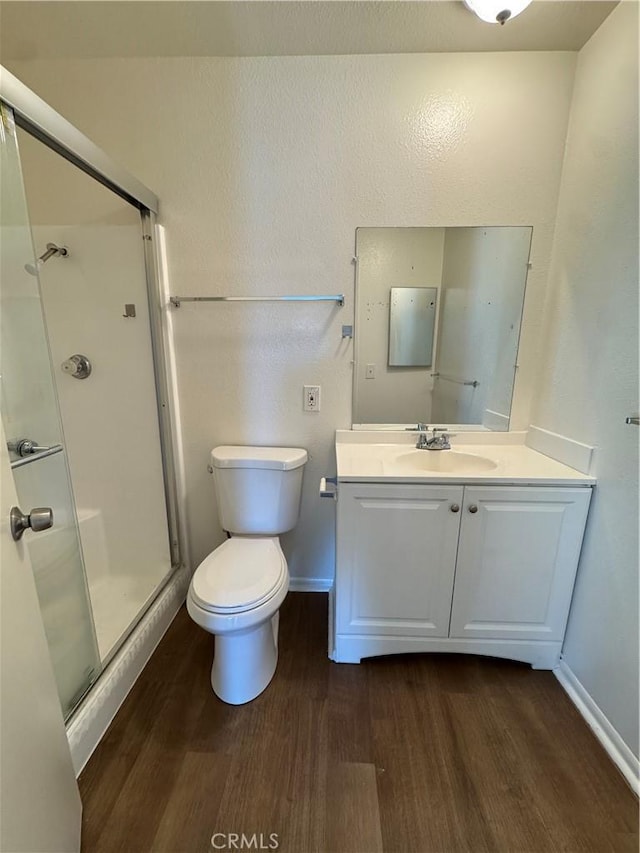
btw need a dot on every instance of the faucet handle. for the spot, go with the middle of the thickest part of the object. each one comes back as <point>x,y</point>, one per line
<point>444,433</point>
<point>422,441</point>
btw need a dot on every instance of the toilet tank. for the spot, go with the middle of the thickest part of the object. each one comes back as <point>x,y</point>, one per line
<point>258,488</point>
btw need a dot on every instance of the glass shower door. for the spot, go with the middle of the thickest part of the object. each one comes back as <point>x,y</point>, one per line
<point>96,305</point>
<point>33,429</point>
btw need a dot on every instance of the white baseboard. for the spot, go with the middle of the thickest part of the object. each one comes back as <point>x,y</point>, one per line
<point>310,584</point>
<point>573,453</point>
<point>97,710</point>
<point>600,725</point>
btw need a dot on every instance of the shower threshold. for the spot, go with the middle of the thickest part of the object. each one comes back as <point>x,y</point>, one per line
<point>90,719</point>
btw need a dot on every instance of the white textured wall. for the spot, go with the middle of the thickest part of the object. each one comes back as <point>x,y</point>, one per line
<point>589,379</point>
<point>391,257</point>
<point>265,167</point>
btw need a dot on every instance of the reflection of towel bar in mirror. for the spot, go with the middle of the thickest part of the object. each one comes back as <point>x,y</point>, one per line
<point>338,298</point>
<point>473,382</point>
<point>633,420</point>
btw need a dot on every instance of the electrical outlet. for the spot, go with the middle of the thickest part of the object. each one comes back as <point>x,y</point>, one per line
<point>311,398</point>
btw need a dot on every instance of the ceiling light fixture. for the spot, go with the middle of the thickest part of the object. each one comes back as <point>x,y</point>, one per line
<point>496,11</point>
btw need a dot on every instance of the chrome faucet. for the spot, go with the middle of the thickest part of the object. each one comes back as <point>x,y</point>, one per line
<point>422,436</point>
<point>436,442</point>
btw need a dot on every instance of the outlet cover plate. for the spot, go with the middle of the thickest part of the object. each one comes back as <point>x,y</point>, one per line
<point>311,398</point>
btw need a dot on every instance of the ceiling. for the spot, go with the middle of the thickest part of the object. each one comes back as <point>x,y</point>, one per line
<point>144,28</point>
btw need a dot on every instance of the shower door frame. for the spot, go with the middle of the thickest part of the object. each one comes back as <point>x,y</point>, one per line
<point>36,117</point>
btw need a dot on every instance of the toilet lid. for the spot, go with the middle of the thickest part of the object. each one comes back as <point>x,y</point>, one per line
<point>239,575</point>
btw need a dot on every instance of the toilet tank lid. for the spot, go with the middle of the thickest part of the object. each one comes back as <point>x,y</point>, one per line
<point>280,458</point>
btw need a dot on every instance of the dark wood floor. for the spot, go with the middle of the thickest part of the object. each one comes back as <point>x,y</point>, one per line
<point>409,753</point>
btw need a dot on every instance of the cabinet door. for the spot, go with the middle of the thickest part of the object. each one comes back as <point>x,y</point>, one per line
<point>396,551</point>
<point>517,559</point>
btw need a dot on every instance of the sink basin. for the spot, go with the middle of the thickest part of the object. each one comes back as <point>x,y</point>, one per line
<point>445,462</point>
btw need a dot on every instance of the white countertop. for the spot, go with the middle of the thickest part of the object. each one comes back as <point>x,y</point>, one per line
<point>383,457</point>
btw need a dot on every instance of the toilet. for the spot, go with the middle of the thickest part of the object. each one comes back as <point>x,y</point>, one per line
<point>236,591</point>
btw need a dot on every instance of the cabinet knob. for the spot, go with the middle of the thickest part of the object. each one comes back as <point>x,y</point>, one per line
<point>455,508</point>
<point>473,508</point>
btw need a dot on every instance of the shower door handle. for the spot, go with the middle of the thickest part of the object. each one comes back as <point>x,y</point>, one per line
<point>27,447</point>
<point>40,518</point>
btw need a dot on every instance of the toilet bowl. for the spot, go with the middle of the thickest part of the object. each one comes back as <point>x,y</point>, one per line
<point>236,592</point>
<point>235,595</point>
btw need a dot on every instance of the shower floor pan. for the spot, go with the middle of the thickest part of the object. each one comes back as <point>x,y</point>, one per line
<point>117,599</point>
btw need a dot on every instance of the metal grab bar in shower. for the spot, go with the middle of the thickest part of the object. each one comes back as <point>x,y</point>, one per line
<point>338,297</point>
<point>473,382</point>
<point>633,420</point>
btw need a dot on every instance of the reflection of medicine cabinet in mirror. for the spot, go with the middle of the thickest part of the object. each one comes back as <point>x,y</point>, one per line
<point>437,326</point>
<point>412,318</point>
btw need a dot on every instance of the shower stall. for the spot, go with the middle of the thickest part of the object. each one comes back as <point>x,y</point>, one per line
<point>83,385</point>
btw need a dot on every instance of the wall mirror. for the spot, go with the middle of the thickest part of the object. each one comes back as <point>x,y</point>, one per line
<point>438,314</point>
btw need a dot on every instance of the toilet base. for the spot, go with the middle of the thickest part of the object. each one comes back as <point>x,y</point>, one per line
<point>245,662</point>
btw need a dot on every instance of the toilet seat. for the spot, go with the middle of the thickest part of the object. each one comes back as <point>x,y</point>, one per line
<point>240,575</point>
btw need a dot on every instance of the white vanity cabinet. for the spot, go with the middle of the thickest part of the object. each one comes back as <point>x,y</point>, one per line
<point>396,556</point>
<point>517,558</point>
<point>458,568</point>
